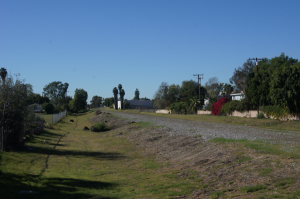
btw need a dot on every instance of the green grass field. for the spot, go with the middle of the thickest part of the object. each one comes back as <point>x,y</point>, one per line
<point>47,117</point>
<point>67,162</point>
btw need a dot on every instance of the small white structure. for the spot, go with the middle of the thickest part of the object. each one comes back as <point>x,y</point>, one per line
<point>237,96</point>
<point>141,104</point>
<point>206,102</point>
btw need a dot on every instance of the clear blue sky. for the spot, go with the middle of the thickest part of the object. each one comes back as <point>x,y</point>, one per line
<point>96,45</point>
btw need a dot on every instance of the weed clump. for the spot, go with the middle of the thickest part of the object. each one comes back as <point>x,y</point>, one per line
<point>260,116</point>
<point>253,188</point>
<point>100,127</point>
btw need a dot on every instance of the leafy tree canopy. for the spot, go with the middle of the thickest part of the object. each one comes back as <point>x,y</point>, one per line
<point>160,96</point>
<point>96,101</point>
<point>240,74</point>
<point>259,82</point>
<point>189,90</point>
<point>79,101</point>
<point>108,101</point>
<point>56,89</point>
<point>285,88</point>
<point>34,98</point>
<point>48,108</point>
<point>3,74</point>
<point>214,88</point>
<point>144,98</point>
<point>173,93</point>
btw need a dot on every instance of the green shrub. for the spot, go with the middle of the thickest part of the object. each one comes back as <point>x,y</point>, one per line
<point>48,108</point>
<point>100,127</point>
<point>275,111</point>
<point>260,116</point>
<point>233,105</point>
<point>179,107</point>
<point>253,188</point>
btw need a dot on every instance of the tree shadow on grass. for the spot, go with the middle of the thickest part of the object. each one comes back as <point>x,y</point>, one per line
<point>52,151</point>
<point>59,188</point>
<point>96,155</point>
<point>46,133</point>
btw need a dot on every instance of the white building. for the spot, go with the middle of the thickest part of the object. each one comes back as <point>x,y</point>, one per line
<point>141,104</point>
<point>237,96</point>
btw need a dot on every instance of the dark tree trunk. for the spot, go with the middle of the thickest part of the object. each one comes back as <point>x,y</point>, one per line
<point>122,106</point>
<point>116,101</point>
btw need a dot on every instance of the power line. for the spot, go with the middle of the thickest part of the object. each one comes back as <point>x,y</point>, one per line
<point>199,83</point>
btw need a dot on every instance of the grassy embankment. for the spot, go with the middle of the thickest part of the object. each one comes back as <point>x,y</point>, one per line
<point>285,126</point>
<point>67,162</point>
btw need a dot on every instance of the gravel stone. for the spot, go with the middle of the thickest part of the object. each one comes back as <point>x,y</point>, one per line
<point>209,130</point>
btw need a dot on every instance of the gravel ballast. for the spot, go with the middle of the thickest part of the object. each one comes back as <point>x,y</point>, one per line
<point>209,130</point>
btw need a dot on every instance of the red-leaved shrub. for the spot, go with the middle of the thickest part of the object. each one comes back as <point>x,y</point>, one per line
<point>216,107</point>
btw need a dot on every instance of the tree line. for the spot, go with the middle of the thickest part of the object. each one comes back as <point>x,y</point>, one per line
<point>272,83</point>
<point>18,102</point>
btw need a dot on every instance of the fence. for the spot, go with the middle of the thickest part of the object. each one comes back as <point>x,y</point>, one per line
<point>56,117</point>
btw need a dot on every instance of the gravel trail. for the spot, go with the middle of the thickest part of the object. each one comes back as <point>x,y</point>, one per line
<point>210,130</point>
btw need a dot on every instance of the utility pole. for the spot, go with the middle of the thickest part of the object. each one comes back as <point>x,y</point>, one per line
<point>256,63</point>
<point>199,84</point>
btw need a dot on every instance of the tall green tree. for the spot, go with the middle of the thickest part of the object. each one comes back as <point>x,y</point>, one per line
<point>189,90</point>
<point>160,96</point>
<point>115,92</point>
<point>15,115</point>
<point>96,101</point>
<point>37,98</point>
<point>285,87</point>
<point>173,93</point>
<point>3,74</point>
<point>120,88</point>
<point>108,101</point>
<point>122,93</point>
<point>56,89</point>
<point>240,75</point>
<point>228,89</point>
<point>137,94</point>
<point>79,101</point>
<point>259,82</point>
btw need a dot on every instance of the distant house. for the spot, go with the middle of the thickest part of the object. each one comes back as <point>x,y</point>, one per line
<point>140,104</point>
<point>237,96</point>
<point>233,96</point>
<point>37,108</point>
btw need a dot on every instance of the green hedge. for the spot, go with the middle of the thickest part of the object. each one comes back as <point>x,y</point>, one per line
<point>229,107</point>
<point>275,111</point>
